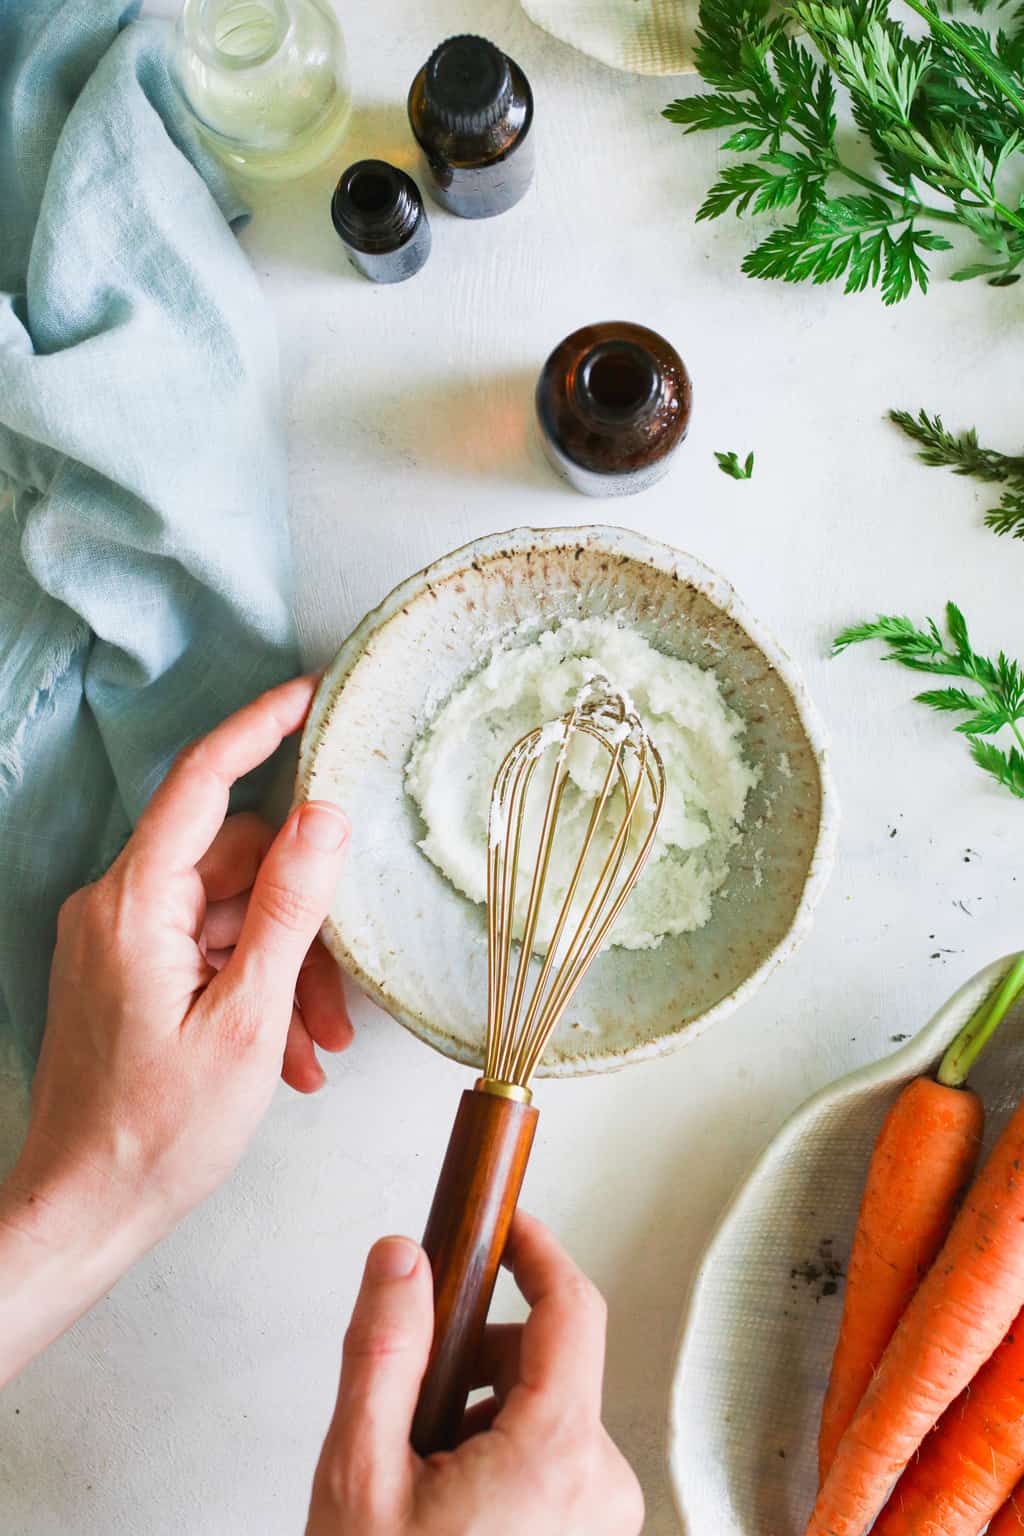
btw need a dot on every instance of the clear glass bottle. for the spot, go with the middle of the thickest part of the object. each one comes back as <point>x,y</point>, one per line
<point>266,80</point>
<point>613,404</point>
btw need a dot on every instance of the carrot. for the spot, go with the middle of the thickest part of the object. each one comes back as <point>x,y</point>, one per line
<point>921,1164</point>
<point>1010,1519</point>
<point>970,1463</point>
<point>956,1318</point>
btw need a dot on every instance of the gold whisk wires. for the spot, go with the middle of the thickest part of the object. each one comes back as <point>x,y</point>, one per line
<point>518,1030</point>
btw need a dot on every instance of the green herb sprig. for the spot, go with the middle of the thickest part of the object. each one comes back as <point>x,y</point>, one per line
<point>998,703</point>
<point>965,456</point>
<point>729,464</point>
<point>943,118</point>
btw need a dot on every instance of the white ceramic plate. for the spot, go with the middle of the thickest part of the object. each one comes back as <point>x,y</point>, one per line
<point>418,947</point>
<point>757,1341</point>
<point>642,37</point>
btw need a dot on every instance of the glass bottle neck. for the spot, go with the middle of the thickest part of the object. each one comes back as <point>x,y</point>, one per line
<point>237,34</point>
<point>617,384</point>
<point>375,206</point>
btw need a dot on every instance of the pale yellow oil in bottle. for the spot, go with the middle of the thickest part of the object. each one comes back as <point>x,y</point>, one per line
<point>267,82</point>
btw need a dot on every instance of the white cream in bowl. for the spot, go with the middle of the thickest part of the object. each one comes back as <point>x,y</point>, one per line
<point>453,765</point>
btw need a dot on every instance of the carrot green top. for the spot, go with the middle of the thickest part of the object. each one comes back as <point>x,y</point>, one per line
<point>980,1027</point>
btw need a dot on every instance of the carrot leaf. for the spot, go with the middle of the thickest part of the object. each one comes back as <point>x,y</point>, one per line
<point>730,465</point>
<point>994,702</point>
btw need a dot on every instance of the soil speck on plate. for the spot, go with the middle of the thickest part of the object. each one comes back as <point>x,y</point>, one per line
<point>820,1275</point>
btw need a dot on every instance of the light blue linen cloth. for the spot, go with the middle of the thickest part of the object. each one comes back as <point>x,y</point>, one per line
<point>144,588</point>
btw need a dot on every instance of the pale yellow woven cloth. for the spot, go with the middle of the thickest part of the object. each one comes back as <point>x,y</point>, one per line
<point>643,37</point>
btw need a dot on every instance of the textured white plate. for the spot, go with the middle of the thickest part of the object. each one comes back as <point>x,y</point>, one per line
<point>643,37</point>
<point>757,1343</point>
<point>417,946</point>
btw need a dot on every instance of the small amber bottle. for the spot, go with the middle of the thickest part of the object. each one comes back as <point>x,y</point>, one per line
<point>379,214</point>
<point>471,110</point>
<point>613,403</point>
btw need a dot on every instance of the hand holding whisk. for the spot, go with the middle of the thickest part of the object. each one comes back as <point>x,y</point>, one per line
<point>490,1143</point>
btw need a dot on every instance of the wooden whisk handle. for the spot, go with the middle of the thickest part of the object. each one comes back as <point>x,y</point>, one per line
<point>473,1206</point>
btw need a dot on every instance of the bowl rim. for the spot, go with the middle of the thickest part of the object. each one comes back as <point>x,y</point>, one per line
<point>919,1054</point>
<point>623,543</point>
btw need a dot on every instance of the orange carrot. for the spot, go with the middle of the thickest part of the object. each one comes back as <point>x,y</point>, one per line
<point>970,1463</point>
<point>956,1318</point>
<point>1010,1519</point>
<point>959,1314</point>
<point>922,1162</point>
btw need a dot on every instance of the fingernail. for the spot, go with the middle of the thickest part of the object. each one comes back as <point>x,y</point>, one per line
<point>393,1258</point>
<point>323,826</point>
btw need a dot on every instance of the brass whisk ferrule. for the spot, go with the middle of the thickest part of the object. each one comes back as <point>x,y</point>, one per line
<point>515,1091</point>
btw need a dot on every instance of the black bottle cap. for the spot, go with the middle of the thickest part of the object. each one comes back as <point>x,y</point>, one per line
<point>468,84</point>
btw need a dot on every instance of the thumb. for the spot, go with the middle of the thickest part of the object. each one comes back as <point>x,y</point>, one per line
<point>290,898</point>
<point>385,1356</point>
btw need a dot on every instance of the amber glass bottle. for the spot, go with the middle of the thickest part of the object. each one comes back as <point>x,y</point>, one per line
<point>613,403</point>
<point>379,214</point>
<point>471,110</point>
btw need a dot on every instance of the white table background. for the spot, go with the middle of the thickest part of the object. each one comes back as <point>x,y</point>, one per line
<point>194,1399</point>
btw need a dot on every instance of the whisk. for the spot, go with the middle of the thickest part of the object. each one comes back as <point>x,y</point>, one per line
<point>494,1127</point>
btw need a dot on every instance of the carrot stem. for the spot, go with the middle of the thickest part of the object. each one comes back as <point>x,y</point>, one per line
<point>980,1027</point>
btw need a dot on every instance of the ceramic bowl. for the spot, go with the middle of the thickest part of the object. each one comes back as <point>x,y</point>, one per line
<point>760,1326</point>
<point>418,947</point>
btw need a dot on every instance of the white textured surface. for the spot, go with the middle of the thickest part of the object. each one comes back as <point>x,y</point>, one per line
<point>648,37</point>
<point>193,1400</point>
